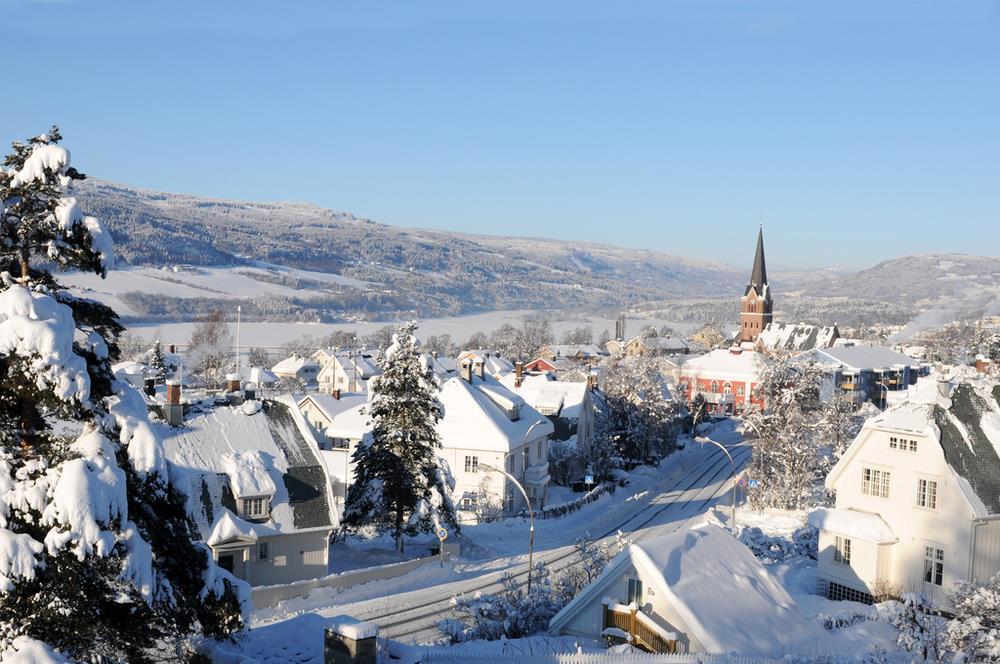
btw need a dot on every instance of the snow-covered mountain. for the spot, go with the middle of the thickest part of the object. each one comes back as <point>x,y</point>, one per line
<point>186,254</point>
<point>386,271</point>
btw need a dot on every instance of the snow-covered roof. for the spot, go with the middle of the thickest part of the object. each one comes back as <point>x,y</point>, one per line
<point>293,364</point>
<point>576,350</point>
<point>475,416</point>
<point>130,368</point>
<point>853,523</point>
<point>332,407</point>
<point>722,363</point>
<point>552,397</point>
<point>863,357</point>
<point>665,344</point>
<point>257,375</point>
<point>226,452</point>
<point>492,362</point>
<point>363,367</point>
<point>726,599</point>
<point>800,337</point>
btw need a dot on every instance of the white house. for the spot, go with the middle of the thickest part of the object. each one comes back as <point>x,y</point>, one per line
<point>347,372</point>
<point>918,497</point>
<point>695,590</point>
<point>319,410</point>
<point>483,422</point>
<point>493,364</point>
<point>258,492</point>
<point>297,367</point>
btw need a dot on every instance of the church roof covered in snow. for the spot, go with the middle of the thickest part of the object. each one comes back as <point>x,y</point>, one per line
<point>797,337</point>
<point>227,453</point>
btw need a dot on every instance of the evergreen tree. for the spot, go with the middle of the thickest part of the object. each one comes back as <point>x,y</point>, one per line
<point>97,551</point>
<point>401,485</point>
<point>157,361</point>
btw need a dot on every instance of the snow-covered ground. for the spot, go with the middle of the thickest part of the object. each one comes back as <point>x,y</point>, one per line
<point>688,487</point>
<point>408,608</point>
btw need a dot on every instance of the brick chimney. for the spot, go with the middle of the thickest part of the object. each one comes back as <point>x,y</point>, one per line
<point>592,381</point>
<point>518,373</point>
<point>173,410</point>
<point>232,382</point>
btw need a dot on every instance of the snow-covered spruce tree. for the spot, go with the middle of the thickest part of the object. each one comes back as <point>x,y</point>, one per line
<point>401,485</point>
<point>786,458</point>
<point>97,557</point>
<point>157,360</point>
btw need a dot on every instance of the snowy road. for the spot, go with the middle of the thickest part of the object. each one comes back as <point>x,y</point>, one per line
<point>409,608</point>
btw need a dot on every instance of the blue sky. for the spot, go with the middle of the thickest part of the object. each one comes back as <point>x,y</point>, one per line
<point>860,130</point>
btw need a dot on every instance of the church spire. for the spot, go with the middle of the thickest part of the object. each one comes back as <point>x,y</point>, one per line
<point>758,277</point>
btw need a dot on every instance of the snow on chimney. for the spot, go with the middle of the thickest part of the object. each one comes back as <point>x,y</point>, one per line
<point>480,369</point>
<point>232,382</point>
<point>149,386</point>
<point>466,370</point>
<point>336,393</point>
<point>518,373</point>
<point>171,348</point>
<point>592,381</point>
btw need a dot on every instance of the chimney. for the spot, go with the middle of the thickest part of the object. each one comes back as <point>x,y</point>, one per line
<point>336,393</point>
<point>173,410</point>
<point>518,373</point>
<point>466,370</point>
<point>481,369</point>
<point>592,381</point>
<point>735,350</point>
<point>250,392</point>
<point>944,388</point>
<point>149,386</point>
<point>232,382</point>
<point>171,348</point>
<point>434,355</point>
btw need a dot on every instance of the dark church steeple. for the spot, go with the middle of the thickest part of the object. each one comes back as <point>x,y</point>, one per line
<point>756,304</point>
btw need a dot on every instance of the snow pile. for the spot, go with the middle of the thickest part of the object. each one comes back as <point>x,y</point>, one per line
<point>25,650</point>
<point>352,628</point>
<point>37,328</point>
<point>248,475</point>
<point>229,527</point>
<point>775,549</point>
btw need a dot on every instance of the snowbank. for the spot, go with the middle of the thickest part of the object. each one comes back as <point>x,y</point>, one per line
<point>248,475</point>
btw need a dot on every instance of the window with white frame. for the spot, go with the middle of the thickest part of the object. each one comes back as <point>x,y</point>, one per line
<point>927,493</point>
<point>875,482</point>
<point>913,445</point>
<point>472,464</point>
<point>254,507</point>
<point>841,550</point>
<point>933,565</point>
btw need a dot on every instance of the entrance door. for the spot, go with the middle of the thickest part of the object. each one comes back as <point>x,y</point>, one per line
<point>226,562</point>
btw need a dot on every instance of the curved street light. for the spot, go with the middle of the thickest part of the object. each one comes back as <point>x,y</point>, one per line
<point>531,514</point>
<point>706,439</point>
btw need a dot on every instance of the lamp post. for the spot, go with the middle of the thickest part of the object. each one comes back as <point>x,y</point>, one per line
<point>706,439</point>
<point>531,514</point>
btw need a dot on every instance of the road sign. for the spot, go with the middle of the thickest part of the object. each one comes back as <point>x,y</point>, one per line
<point>442,534</point>
<point>589,479</point>
<point>754,484</point>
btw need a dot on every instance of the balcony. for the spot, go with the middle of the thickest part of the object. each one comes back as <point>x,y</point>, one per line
<point>719,397</point>
<point>643,632</point>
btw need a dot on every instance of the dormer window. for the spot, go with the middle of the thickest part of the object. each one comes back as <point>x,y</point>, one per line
<point>255,508</point>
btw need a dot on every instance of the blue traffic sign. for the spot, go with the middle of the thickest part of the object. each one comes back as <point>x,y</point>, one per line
<point>754,484</point>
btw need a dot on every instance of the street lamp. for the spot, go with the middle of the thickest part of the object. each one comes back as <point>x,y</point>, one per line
<point>706,439</point>
<point>531,514</point>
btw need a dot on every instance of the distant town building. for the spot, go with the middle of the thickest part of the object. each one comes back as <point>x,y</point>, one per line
<point>796,338</point>
<point>726,378</point>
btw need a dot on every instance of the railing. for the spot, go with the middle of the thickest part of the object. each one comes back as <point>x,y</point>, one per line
<point>641,633</point>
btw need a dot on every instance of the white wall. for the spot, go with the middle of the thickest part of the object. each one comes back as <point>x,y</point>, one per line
<point>291,558</point>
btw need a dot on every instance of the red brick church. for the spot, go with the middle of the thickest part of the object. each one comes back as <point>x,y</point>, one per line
<point>756,303</point>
